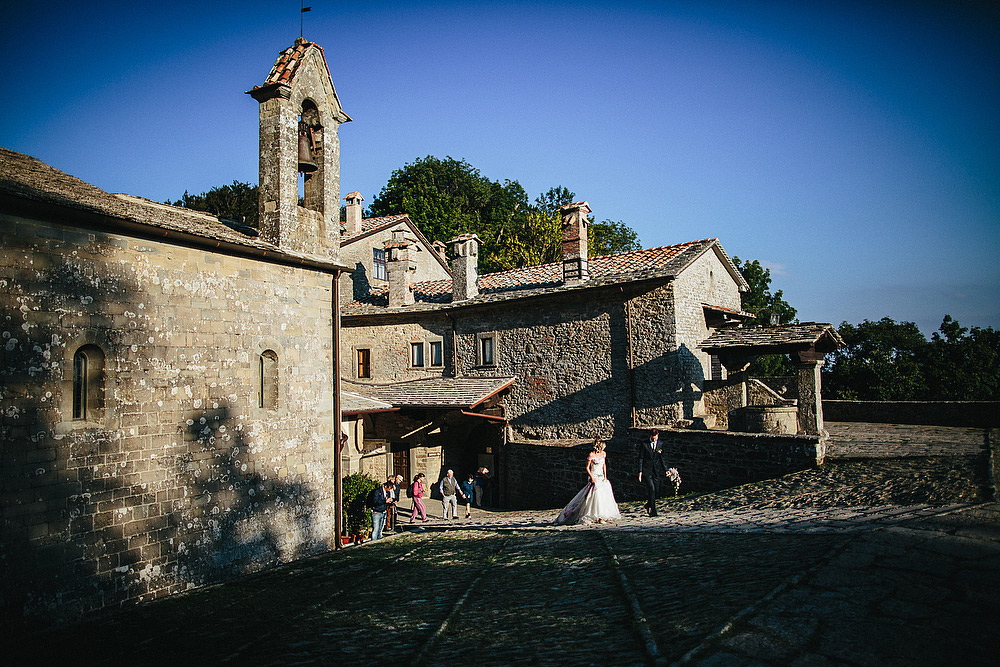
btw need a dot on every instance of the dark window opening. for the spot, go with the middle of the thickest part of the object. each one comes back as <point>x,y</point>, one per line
<point>364,363</point>
<point>416,354</point>
<point>437,353</point>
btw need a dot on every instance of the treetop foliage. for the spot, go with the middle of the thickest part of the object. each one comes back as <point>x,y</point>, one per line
<point>235,202</point>
<point>764,304</point>
<point>447,197</point>
<point>893,361</point>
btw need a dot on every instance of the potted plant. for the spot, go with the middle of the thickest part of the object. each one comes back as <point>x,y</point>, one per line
<point>357,515</point>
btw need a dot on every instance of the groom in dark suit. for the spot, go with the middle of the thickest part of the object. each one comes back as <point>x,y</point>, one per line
<point>651,469</point>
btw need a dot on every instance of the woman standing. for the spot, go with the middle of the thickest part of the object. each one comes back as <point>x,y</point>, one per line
<point>596,501</point>
<point>417,490</point>
<point>467,491</point>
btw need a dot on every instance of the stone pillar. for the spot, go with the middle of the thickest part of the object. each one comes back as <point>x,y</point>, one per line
<point>399,270</point>
<point>574,243</point>
<point>353,223</point>
<point>465,267</point>
<point>810,392</point>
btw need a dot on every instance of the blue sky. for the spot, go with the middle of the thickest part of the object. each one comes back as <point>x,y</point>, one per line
<point>852,147</point>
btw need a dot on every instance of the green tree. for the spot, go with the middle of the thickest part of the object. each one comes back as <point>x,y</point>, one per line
<point>880,361</point>
<point>767,307</point>
<point>963,364</point>
<point>608,237</point>
<point>235,202</point>
<point>450,197</point>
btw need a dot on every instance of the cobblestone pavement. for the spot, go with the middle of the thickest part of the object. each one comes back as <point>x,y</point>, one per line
<point>760,575</point>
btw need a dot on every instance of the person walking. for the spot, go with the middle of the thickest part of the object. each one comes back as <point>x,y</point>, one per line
<point>417,492</point>
<point>449,491</point>
<point>380,499</point>
<point>651,469</point>
<point>482,477</point>
<point>467,490</point>
<point>595,503</point>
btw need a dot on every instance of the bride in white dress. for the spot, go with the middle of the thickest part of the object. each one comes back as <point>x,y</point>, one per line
<point>596,501</point>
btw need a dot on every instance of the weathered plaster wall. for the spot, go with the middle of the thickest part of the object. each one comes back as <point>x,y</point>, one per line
<point>181,479</point>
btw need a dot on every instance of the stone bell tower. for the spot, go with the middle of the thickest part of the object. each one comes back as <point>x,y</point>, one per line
<point>299,118</point>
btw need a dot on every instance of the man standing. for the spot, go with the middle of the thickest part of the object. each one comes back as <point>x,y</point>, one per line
<point>380,499</point>
<point>449,490</point>
<point>651,469</point>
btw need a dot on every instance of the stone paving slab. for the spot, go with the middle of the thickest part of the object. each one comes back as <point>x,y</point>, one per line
<point>843,564</point>
<point>917,586</point>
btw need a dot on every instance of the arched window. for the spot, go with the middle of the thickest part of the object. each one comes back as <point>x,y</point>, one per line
<point>88,383</point>
<point>268,397</point>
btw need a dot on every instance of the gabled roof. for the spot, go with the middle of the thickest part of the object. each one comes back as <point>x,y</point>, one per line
<point>662,262</point>
<point>370,226</point>
<point>440,392</point>
<point>286,68</point>
<point>27,183</point>
<point>778,339</point>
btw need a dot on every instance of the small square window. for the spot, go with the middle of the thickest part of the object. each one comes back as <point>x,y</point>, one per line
<point>437,353</point>
<point>416,354</point>
<point>364,363</point>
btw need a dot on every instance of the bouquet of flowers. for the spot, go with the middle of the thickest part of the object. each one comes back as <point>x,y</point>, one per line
<point>674,477</point>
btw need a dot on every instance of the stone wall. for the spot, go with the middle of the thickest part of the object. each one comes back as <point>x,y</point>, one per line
<point>549,473</point>
<point>711,460</point>
<point>980,414</point>
<point>569,353</point>
<point>176,478</point>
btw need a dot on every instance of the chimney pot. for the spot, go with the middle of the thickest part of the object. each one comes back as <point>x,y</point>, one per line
<point>353,223</point>
<point>576,269</point>
<point>465,267</point>
<point>399,272</point>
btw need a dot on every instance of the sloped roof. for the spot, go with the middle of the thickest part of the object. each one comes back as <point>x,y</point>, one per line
<point>29,179</point>
<point>439,392</point>
<point>781,338</point>
<point>352,404</point>
<point>376,224</point>
<point>662,262</point>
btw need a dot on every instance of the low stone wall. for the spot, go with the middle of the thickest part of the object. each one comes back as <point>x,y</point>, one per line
<point>980,414</point>
<point>549,473</point>
<point>711,460</point>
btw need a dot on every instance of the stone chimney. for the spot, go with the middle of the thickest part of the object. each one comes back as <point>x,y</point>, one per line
<point>353,224</point>
<point>399,270</point>
<point>439,247</point>
<point>465,267</point>
<point>574,243</point>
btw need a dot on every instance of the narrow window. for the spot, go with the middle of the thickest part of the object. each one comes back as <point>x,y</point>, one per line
<point>437,353</point>
<point>79,385</point>
<point>486,351</point>
<point>88,383</point>
<point>417,354</point>
<point>716,367</point>
<point>378,264</point>
<point>364,363</point>
<point>268,380</point>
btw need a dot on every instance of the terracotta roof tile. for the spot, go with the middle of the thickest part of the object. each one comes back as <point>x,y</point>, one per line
<point>605,269</point>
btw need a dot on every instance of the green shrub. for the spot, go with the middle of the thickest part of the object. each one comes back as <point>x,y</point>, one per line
<point>357,514</point>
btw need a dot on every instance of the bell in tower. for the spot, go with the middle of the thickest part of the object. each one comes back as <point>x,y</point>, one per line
<point>306,147</point>
<point>300,115</point>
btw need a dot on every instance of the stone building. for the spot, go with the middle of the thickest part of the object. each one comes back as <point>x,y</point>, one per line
<point>588,347</point>
<point>173,382</point>
<point>168,392</point>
